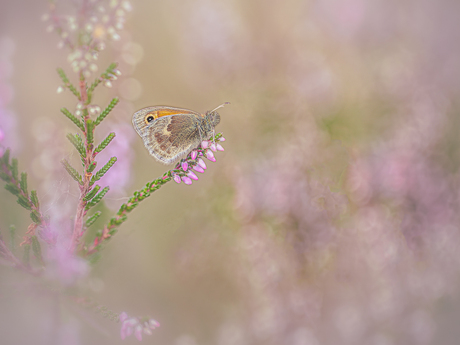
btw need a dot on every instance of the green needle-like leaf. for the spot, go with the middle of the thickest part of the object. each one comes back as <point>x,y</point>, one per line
<point>34,198</point>
<point>24,202</point>
<point>92,193</point>
<point>14,168</point>
<point>23,183</point>
<point>89,131</point>
<point>26,256</point>
<point>104,76</point>
<point>67,83</point>
<point>35,216</point>
<point>72,172</point>
<point>105,142</point>
<point>72,118</point>
<point>97,198</point>
<point>90,221</point>
<point>13,189</point>
<point>103,170</point>
<point>77,143</point>
<point>5,177</point>
<point>106,111</point>
<point>37,250</point>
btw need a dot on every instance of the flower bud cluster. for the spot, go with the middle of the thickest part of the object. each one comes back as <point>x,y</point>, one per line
<point>130,325</point>
<point>183,171</point>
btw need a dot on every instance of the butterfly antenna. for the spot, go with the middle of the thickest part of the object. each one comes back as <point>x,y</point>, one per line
<point>220,106</point>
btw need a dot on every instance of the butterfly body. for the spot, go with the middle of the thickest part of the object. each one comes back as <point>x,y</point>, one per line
<point>170,133</point>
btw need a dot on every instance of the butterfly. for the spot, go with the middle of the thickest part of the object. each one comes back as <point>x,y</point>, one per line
<point>170,133</point>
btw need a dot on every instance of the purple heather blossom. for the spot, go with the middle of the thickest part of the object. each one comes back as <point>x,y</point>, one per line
<point>193,155</point>
<point>184,165</point>
<point>130,324</point>
<point>186,180</point>
<point>205,144</point>
<point>198,168</point>
<point>210,156</point>
<point>201,163</point>
<point>213,147</point>
<point>192,175</point>
<point>219,147</point>
<point>177,178</point>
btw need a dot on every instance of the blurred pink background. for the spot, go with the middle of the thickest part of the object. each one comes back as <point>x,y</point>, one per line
<point>331,217</point>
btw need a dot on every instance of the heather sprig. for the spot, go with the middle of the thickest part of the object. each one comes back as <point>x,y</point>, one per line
<point>85,146</point>
<point>18,187</point>
<point>182,172</point>
<point>138,326</point>
<point>85,35</point>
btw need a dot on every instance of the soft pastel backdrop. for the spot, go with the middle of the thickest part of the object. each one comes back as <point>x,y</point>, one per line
<point>332,217</point>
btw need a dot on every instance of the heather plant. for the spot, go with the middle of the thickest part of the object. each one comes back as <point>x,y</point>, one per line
<point>51,249</point>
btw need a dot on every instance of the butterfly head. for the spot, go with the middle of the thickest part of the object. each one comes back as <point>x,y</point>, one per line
<point>213,118</point>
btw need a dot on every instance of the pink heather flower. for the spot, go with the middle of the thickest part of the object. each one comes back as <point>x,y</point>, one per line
<point>127,326</point>
<point>138,332</point>
<point>210,156</point>
<point>194,155</point>
<point>153,324</point>
<point>204,144</point>
<point>192,175</point>
<point>201,163</point>
<point>123,316</point>
<point>219,147</point>
<point>130,324</point>
<point>177,178</point>
<point>198,168</point>
<point>213,147</point>
<point>184,165</point>
<point>221,139</point>
<point>186,180</point>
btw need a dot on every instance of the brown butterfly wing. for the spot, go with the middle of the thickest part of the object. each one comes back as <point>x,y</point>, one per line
<point>171,137</point>
<point>140,117</point>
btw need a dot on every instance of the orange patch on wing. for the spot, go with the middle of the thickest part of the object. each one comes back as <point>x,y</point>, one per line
<point>166,112</point>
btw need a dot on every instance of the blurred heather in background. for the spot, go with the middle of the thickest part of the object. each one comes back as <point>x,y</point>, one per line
<point>331,218</point>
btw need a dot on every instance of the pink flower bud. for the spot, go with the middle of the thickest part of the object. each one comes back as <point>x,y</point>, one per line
<point>138,332</point>
<point>177,178</point>
<point>204,144</point>
<point>184,165</point>
<point>186,180</point>
<point>210,156</point>
<point>221,139</point>
<point>213,147</point>
<point>192,175</point>
<point>153,323</point>
<point>123,316</point>
<point>194,155</point>
<point>198,168</point>
<point>219,147</point>
<point>201,163</point>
